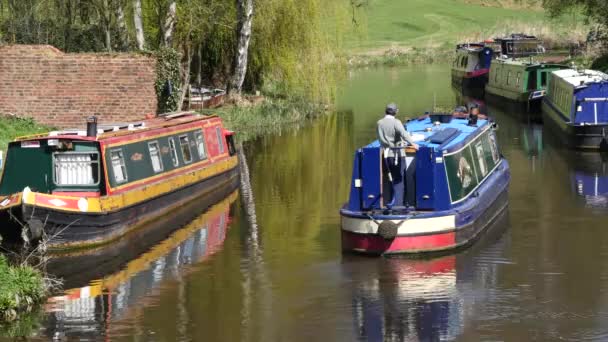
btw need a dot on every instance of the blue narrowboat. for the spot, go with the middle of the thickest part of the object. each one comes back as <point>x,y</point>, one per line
<point>471,65</point>
<point>442,197</point>
<point>576,107</point>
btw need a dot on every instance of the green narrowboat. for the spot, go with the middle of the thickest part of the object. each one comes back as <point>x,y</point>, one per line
<point>520,81</point>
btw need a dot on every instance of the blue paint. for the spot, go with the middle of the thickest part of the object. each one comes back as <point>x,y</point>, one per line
<point>370,177</point>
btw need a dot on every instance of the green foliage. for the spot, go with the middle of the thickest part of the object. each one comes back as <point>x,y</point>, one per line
<point>20,287</point>
<point>167,83</point>
<point>12,127</point>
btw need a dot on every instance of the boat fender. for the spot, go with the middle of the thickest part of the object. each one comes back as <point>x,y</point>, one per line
<point>388,230</point>
<point>33,230</point>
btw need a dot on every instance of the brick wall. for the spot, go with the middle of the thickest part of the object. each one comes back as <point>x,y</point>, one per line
<point>63,89</point>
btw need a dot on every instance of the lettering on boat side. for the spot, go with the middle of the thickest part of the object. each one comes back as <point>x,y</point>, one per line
<point>137,156</point>
<point>30,144</point>
<point>357,183</point>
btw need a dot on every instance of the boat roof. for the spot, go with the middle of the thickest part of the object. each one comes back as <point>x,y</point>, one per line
<point>423,131</point>
<point>581,77</point>
<point>526,61</point>
<point>109,130</point>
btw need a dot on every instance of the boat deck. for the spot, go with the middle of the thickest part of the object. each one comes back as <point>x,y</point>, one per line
<point>445,136</point>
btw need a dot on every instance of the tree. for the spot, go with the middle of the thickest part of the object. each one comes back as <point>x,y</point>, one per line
<point>169,24</point>
<point>138,23</point>
<point>594,9</point>
<point>244,18</point>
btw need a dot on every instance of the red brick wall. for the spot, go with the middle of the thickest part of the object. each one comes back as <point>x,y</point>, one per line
<point>63,89</point>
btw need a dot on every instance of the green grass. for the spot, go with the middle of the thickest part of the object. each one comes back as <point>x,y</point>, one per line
<point>12,127</point>
<point>440,24</point>
<point>270,116</point>
<point>20,288</point>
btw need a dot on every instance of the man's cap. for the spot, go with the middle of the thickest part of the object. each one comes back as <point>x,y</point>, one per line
<point>392,109</point>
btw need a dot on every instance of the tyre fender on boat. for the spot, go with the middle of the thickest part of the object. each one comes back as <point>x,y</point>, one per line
<point>388,229</point>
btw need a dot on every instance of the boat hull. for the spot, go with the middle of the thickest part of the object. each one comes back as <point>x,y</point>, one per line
<point>478,80</point>
<point>585,137</point>
<point>69,230</point>
<point>429,232</point>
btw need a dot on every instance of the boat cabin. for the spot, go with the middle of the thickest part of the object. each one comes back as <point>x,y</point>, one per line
<point>519,80</point>
<point>454,158</point>
<point>472,59</point>
<point>579,96</point>
<point>518,45</point>
<point>107,158</point>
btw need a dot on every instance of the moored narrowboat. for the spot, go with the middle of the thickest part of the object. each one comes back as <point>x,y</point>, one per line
<point>76,188</point>
<point>471,65</point>
<point>576,108</point>
<point>517,45</point>
<point>520,81</point>
<point>444,195</point>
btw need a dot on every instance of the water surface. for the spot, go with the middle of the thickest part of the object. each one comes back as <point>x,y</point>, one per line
<point>271,269</point>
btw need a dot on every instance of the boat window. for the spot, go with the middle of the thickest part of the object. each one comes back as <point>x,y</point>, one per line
<point>157,162</point>
<point>543,79</point>
<point>220,141</point>
<point>200,145</point>
<point>509,78</point>
<point>74,168</point>
<point>173,152</point>
<point>481,159</point>
<point>118,166</point>
<point>496,75</point>
<point>466,61</point>
<point>185,146</point>
<point>518,78</point>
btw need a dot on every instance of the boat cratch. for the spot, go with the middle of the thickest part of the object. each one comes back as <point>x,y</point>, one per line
<point>442,197</point>
<point>576,107</point>
<point>76,188</point>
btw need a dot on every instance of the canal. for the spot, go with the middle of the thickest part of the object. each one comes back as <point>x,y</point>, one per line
<point>266,265</point>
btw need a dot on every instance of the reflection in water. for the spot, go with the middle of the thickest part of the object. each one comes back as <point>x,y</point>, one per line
<point>420,299</point>
<point>285,279</point>
<point>88,311</point>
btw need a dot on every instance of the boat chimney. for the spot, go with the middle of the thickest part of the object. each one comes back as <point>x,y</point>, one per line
<point>92,126</point>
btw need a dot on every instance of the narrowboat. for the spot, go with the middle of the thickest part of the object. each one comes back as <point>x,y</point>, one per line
<point>80,188</point>
<point>471,65</point>
<point>517,45</point>
<point>519,81</point>
<point>443,197</point>
<point>576,108</point>
<point>204,98</point>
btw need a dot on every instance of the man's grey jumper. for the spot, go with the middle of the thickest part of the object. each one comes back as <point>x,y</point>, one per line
<point>391,132</point>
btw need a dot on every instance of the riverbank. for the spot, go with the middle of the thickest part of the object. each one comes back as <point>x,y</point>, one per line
<point>13,126</point>
<point>22,287</point>
<point>431,30</point>
<point>257,116</point>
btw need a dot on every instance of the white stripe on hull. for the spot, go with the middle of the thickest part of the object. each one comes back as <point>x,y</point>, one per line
<point>411,226</point>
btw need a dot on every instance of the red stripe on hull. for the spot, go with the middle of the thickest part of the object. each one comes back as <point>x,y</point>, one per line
<point>476,73</point>
<point>375,244</point>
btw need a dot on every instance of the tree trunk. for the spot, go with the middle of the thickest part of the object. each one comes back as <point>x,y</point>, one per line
<point>169,24</point>
<point>105,13</point>
<point>139,26</point>
<point>122,26</point>
<point>244,17</point>
<point>185,75</point>
<point>199,66</point>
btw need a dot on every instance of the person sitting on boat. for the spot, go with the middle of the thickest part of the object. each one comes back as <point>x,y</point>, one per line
<point>393,138</point>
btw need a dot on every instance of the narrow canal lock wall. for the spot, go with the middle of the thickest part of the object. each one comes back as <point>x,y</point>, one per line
<point>62,89</point>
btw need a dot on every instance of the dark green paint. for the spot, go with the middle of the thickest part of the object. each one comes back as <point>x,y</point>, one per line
<point>33,167</point>
<point>142,168</point>
<point>471,165</point>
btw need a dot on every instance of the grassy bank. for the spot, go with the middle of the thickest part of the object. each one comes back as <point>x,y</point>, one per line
<point>265,116</point>
<point>421,31</point>
<point>12,127</point>
<point>21,288</point>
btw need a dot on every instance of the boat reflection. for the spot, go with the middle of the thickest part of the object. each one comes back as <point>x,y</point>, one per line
<point>422,299</point>
<point>89,311</point>
<point>589,178</point>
